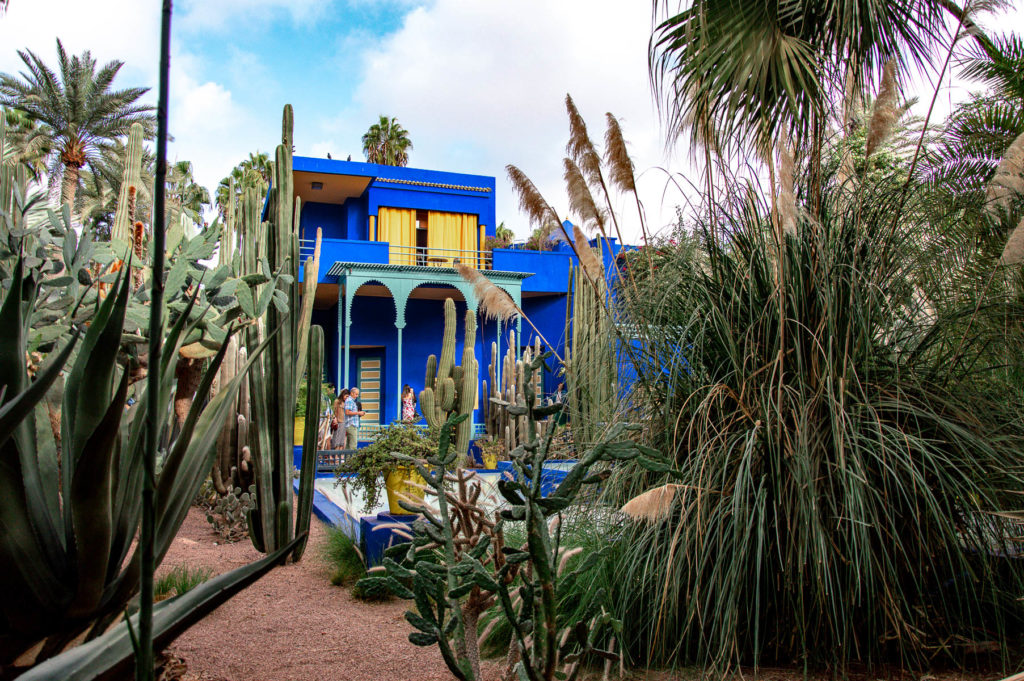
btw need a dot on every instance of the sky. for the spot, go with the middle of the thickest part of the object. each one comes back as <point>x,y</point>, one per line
<point>478,85</point>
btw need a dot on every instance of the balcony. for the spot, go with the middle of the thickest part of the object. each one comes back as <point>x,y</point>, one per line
<point>382,253</point>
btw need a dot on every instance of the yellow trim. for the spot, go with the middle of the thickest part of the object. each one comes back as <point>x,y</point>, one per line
<point>373,228</point>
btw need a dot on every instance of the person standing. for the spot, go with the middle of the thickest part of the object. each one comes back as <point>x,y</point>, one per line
<point>338,421</point>
<point>408,403</point>
<point>352,414</point>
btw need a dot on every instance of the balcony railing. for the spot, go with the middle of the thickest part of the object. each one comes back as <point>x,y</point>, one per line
<point>438,257</point>
<point>412,255</point>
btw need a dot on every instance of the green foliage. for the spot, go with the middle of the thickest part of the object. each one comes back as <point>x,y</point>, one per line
<point>76,107</point>
<point>181,579</point>
<point>367,469</point>
<point>326,397</point>
<point>386,142</point>
<point>342,557</point>
<point>844,453</point>
<point>457,568</point>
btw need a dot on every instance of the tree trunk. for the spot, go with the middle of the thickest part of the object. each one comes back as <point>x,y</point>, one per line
<point>189,373</point>
<point>69,185</point>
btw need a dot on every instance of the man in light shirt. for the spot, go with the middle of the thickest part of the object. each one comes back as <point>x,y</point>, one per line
<point>352,414</point>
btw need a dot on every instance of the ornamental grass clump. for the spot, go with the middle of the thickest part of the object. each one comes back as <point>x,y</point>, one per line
<point>843,455</point>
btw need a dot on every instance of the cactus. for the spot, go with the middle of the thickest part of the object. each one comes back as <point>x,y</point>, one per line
<point>257,447</point>
<point>589,360</point>
<point>124,216</point>
<point>450,389</point>
<point>458,565</point>
<point>498,424</point>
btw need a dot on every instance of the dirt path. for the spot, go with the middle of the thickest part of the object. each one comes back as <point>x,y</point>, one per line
<point>293,624</point>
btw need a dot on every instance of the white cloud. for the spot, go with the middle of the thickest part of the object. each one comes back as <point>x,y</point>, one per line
<point>235,15</point>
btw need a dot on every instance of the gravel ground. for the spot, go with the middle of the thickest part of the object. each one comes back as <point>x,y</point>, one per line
<point>293,624</point>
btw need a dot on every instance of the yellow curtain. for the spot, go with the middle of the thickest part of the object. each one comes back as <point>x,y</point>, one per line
<point>397,226</point>
<point>450,236</point>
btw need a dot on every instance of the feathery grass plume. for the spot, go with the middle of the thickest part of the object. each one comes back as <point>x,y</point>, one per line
<point>1008,181</point>
<point>494,302</point>
<point>581,201</point>
<point>1013,253</point>
<point>533,203</point>
<point>653,505</point>
<point>885,111</point>
<point>580,147</point>
<point>589,260</point>
<point>787,192</point>
<point>566,557</point>
<point>616,155</point>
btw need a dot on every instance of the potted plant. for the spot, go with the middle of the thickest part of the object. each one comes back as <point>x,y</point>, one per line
<point>374,466</point>
<point>491,451</point>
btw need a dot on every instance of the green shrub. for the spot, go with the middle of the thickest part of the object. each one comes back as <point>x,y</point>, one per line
<point>181,579</point>
<point>342,556</point>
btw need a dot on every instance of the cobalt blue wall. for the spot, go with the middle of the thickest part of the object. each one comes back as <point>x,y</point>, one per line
<point>548,315</point>
<point>353,223</point>
<point>327,216</point>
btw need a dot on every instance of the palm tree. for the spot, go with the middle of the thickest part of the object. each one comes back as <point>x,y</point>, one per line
<point>387,143</point>
<point>184,192</point>
<point>78,112</point>
<point>254,171</point>
<point>741,75</point>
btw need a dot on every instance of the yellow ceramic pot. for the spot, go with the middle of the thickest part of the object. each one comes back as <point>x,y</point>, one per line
<point>401,484</point>
<point>490,460</point>
<point>300,429</point>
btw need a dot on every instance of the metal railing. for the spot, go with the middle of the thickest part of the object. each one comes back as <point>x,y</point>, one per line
<point>418,255</point>
<point>438,257</point>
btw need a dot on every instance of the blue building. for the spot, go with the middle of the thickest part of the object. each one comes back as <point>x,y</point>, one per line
<point>390,238</point>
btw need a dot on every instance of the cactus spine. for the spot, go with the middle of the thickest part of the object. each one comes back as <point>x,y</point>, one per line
<point>449,388</point>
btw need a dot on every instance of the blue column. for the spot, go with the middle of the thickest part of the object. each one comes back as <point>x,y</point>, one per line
<point>348,324</point>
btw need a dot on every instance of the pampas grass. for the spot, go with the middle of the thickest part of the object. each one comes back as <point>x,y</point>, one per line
<point>580,147</point>
<point>616,155</point>
<point>885,111</point>
<point>1008,181</point>
<point>581,201</point>
<point>787,193</point>
<point>1013,253</point>
<point>653,505</point>
<point>533,203</point>
<point>494,302</point>
<point>589,260</point>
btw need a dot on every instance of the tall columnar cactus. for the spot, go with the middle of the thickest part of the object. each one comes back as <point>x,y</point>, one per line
<point>591,369</point>
<point>450,389</point>
<point>124,216</point>
<point>269,294</point>
<point>498,423</point>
